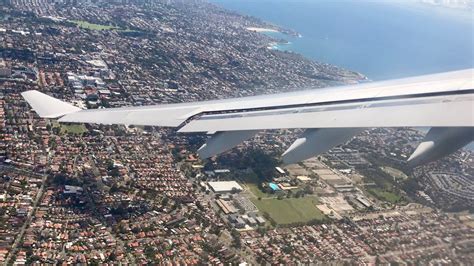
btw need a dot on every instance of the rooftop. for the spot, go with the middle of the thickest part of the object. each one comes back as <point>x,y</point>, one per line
<point>224,186</point>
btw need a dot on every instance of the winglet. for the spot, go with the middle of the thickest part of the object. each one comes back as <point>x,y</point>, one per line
<point>47,106</point>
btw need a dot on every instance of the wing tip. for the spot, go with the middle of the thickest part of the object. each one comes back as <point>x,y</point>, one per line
<point>46,106</point>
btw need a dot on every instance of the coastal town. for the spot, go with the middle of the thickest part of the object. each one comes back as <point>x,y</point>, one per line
<point>97,194</point>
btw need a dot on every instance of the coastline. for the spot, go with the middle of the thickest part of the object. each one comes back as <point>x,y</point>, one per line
<point>257,29</point>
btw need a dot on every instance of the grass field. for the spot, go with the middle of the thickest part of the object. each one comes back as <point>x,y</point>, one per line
<point>73,128</point>
<point>397,174</point>
<point>91,26</point>
<point>69,128</point>
<point>385,195</point>
<point>253,187</point>
<point>292,210</point>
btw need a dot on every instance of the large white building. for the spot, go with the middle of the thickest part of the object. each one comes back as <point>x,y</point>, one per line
<point>224,186</point>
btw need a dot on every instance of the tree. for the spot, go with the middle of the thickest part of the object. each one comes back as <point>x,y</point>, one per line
<point>59,179</point>
<point>114,189</point>
<point>262,230</point>
<point>32,259</point>
<point>149,252</point>
<point>308,190</point>
<point>165,201</point>
<point>115,172</point>
<point>287,249</point>
<point>112,256</point>
<point>299,193</point>
<point>237,242</point>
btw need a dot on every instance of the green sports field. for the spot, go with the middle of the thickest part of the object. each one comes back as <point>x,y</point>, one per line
<point>290,210</point>
<point>385,195</point>
<point>91,26</point>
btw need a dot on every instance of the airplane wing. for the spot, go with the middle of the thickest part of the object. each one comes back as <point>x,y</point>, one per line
<point>444,100</point>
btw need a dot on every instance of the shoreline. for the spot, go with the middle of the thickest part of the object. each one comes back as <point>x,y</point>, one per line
<point>257,29</point>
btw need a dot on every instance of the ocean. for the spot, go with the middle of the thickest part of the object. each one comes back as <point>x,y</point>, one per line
<point>380,39</point>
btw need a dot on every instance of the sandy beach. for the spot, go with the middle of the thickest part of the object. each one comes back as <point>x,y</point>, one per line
<point>261,29</point>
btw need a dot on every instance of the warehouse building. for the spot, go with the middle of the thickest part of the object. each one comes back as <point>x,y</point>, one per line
<point>224,186</point>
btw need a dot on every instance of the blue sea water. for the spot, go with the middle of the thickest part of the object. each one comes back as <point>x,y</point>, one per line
<point>380,39</point>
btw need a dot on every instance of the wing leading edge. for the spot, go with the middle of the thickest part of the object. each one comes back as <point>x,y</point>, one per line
<point>438,100</point>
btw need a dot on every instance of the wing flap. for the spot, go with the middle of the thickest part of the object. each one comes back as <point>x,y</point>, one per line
<point>447,111</point>
<point>164,117</point>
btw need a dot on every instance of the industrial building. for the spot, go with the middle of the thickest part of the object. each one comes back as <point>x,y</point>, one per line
<point>224,186</point>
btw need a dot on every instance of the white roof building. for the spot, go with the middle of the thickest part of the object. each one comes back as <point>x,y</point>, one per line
<point>224,186</point>
<point>72,190</point>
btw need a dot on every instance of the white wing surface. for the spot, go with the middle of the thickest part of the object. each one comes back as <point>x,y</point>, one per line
<point>443,100</point>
